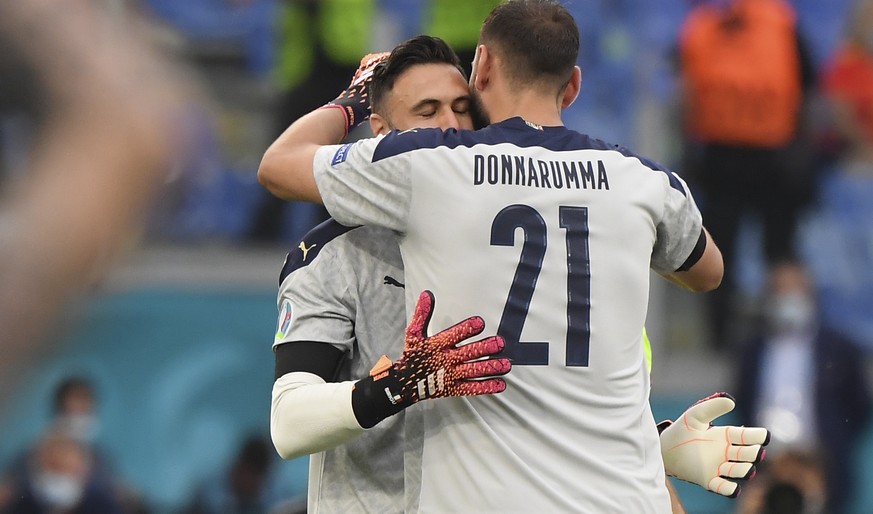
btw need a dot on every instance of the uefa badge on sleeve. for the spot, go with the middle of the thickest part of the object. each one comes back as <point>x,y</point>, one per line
<point>341,154</point>
<point>284,323</point>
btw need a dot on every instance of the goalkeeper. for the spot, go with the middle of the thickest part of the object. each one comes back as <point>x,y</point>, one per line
<point>341,303</point>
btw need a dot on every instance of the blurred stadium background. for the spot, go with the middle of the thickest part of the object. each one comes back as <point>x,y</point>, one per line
<point>177,339</point>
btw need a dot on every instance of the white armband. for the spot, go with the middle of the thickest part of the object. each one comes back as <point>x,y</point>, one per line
<point>309,415</point>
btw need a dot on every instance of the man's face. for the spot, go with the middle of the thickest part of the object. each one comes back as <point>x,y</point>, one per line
<point>426,96</point>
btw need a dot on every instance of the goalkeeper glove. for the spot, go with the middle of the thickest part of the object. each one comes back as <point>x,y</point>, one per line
<point>354,101</point>
<point>431,367</point>
<point>706,455</point>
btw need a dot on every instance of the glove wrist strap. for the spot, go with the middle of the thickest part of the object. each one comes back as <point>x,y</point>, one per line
<point>377,397</point>
<point>348,114</point>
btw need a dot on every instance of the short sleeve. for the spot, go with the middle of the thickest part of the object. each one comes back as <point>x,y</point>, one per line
<point>679,228</point>
<point>314,304</point>
<point>358,191</point>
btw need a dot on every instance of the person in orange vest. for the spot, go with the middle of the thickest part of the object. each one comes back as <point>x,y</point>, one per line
<point>745,72</point>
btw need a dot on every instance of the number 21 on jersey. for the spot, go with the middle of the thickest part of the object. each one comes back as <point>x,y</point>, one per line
<point>574,222</point>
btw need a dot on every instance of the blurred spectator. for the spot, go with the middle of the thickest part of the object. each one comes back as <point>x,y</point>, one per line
<point>745,71</point>
<point>803,381</point>
<point>58,480</point>
<point>848,83</point>
<point>792,482</point>
<point>74,416</point>
<point>245,487</point>
<point>321,44</point>
<point>74,409</point>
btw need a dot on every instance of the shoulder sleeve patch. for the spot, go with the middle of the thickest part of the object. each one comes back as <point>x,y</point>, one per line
<point>342,153</point>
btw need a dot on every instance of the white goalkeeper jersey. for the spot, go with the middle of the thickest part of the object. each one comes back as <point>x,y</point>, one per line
<point>344,286</point>
<point>549,235</point>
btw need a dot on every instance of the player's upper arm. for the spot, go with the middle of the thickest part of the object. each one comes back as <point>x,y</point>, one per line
<point>287,173</point>
<point>308,415</point>
<point>320,359</point>
<point>286,169</point>
<point>316,309</point>
<point>704,268</point>
<point>368,182</point>
<point>684,252</point>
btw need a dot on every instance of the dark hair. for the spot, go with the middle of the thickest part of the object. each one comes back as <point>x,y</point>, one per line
<point>418,50</point>
<point>67,387</point>
<point>255,454</point>
<point>783,498</point>
<point>538,38</point>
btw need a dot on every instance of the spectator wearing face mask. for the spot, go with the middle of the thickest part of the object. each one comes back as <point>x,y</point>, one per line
<point>74,419</point>
<point>75,409</point>
<point>58,479</point>
<point>74,414</point>
<point>804,381</point>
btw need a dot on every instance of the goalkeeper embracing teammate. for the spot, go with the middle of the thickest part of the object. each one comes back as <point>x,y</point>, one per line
<point>308,376</point>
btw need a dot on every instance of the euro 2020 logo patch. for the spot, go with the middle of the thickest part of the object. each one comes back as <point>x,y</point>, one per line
<point>284,323</point>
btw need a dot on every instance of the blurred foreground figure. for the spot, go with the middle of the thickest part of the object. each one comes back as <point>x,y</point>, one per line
<point>109,132</point>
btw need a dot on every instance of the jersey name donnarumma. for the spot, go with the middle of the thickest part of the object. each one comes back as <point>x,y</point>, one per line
<point>549,236</point>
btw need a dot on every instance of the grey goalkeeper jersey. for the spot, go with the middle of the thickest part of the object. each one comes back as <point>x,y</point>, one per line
<point>549,235</point>
<point>344,286</point>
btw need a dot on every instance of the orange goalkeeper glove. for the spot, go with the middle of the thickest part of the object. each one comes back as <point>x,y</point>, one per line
<point>354,101</point>
<point>431,367</point>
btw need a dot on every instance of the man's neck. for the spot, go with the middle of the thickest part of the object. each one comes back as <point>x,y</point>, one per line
<point>531,107</point>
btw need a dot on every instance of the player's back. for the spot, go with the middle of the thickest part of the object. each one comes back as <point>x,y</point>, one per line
<point>549,236</point>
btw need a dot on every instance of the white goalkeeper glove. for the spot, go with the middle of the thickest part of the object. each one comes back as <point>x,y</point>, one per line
<point>706,455</point>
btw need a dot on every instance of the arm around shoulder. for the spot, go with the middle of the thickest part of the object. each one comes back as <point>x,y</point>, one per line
<point>286,170</point>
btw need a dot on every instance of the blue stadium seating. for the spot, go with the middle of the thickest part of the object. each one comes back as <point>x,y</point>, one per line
<point>247,24</point>
<point>838,244</point>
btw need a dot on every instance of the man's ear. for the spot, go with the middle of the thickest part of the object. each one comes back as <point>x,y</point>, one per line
<point>573,88</point>
<point>379,125</point>
<point>483,63</point>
